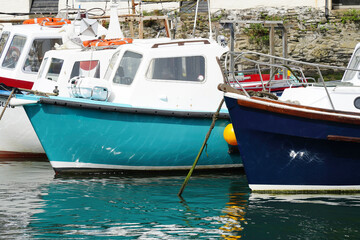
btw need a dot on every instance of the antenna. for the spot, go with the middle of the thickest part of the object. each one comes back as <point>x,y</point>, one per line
<point>196,12</point>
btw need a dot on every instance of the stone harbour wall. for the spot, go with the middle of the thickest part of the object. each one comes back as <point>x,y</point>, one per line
<point>311,36</point>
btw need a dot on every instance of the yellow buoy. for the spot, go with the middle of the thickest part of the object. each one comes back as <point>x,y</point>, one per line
<point>229,135</point>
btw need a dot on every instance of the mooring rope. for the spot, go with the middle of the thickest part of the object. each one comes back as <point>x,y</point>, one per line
<point>7,103</point>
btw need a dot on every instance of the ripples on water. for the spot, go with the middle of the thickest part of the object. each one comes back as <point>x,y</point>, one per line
<point>36,205</point>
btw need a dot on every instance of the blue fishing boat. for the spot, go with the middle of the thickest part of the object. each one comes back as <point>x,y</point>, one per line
<point>289,146</point>
<point>147,114</point>
<point>295,148</point>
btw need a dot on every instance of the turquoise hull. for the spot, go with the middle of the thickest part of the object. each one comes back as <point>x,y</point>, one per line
<point>101,137</point>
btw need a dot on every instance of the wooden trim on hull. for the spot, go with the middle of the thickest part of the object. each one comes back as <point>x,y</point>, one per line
<point>343,138</point>
<point>20,155</point>
<point>301,111</point>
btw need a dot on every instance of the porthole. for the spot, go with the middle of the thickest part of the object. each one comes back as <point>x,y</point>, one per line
<point>357,102</point>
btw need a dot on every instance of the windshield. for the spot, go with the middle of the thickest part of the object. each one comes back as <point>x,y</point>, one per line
<point>3,40</point>
<point>355,61</point>
<point>128,67</point>
<point>13,54</point>
<point>111,65</point>
<point>37,51</point>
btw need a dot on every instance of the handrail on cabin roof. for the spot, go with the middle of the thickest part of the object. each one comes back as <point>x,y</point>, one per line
<point>180,43</point>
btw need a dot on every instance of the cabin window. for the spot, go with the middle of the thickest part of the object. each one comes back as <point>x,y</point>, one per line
<point>36,54</point>
<point>111,66</point>
<point>190,68</point>
<point>88,68</point>
<point>14,51</point>
<point>54,69</point>
<point>42,67</point>
<point>357,102</point>
<point>128,67</point>
<point>3,40</point>
<point>355,61</point>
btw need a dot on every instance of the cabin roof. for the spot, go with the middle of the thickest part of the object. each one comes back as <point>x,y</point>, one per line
<point>33,30</point>
<point>184,47</point>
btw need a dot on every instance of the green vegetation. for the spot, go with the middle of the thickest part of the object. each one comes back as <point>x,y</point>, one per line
<point>257,34</point>
<point>351,15</point>
<point>266,17</point>
<point>323,28</point>
<point>332,75</point>
<point>328,75</point>
<point>153,13</point>
<point>219,17</point>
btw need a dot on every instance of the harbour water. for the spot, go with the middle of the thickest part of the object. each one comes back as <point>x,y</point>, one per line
<point>36,204</point>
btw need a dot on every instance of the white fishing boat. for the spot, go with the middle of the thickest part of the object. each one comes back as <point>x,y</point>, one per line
<point>160,98</point>
<point>22,47</point>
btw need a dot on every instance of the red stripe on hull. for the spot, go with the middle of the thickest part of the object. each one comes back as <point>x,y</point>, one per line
<point>16,83</point>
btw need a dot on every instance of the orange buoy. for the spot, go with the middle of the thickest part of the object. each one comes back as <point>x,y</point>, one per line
<point>107,42</point>
<point>229,135</point>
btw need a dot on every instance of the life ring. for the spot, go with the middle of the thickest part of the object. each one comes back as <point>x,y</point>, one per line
<point>107,42</point>
<point>36,20</point>
<point>55,22</point>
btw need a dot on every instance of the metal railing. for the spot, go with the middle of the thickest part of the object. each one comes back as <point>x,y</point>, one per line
<point>248,61</point>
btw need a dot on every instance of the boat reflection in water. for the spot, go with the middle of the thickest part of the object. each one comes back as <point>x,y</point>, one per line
<point>234,219</point>
<point>137,207</point>
<point>35,205</point>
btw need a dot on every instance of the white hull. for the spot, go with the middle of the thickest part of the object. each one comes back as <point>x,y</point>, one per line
<point>17,134</point>
<point>80,165</point>
<point>303,188</point>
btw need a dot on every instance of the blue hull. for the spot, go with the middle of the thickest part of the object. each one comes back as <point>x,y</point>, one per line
<point>78,139</point>
<point>284,152</point>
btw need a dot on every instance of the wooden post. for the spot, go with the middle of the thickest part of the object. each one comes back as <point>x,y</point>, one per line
<point>133,6</point>
<point>285,49</point>
<point>131,25</point>
<point>141,28</point>
<point>232,48</point>
<point>272,47</point>
<point>167,29</point>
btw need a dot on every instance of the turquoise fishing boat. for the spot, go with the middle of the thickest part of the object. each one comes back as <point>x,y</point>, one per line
<point>147,114</point>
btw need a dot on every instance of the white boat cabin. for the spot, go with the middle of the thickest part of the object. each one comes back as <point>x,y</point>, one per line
<point>344,94</point>
<point>22,48</point>
<point>166,74</point>
<point>59,66</point>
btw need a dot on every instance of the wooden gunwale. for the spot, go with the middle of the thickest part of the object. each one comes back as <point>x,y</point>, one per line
<point>343,138</point>
<point>301,111</point>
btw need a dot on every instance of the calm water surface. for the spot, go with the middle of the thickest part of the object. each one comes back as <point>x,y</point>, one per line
<point>34,204</point>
